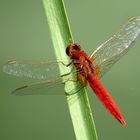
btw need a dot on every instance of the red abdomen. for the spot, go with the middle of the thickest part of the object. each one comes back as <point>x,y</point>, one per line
<point>105,98</point>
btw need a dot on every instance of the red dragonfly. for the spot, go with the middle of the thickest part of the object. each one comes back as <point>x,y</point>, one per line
<point>89,68</point>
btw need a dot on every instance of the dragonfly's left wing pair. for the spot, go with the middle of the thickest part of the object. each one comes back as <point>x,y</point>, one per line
<point>47,72</point>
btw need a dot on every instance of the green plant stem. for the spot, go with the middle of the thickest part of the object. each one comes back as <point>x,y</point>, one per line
<point>78,103</point>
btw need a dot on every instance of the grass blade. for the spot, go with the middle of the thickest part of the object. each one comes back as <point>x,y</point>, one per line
<point>78,104</point>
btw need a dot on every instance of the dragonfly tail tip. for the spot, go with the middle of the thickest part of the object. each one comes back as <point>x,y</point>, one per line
<point>122,121</point>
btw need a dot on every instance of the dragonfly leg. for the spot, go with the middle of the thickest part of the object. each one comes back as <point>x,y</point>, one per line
<point>66,64</point>
<point>74,91</point>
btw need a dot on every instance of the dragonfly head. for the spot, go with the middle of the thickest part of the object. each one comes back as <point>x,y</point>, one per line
<point>71,48</point>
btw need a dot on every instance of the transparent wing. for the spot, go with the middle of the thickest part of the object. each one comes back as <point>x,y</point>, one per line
<point>113,49</point>
<point>52,87</point>
<point>38,88</point>
<point>36,70</point>
<point>48,71</point>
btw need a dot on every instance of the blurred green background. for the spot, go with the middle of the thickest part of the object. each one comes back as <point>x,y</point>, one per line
<point>24,35</point>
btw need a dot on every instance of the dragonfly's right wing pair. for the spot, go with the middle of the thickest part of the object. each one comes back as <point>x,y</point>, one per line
<point>115,47</point>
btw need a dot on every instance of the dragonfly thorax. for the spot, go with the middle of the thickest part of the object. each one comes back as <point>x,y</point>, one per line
<point>80,59</point>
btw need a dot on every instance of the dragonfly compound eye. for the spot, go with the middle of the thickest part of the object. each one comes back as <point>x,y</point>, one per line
<point>71,48</point>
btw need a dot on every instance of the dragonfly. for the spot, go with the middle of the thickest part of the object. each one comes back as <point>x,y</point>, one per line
<point>88,68</point>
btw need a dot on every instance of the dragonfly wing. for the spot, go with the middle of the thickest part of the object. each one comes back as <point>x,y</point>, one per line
<point>113,49</point>
<point>39,70</point>
<point>55,87</point>
<point>36,70</point>
<point>52,88</point>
